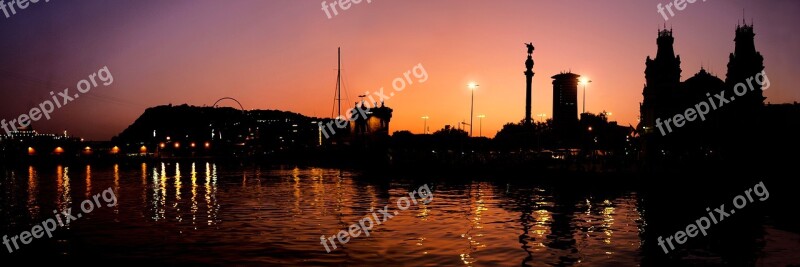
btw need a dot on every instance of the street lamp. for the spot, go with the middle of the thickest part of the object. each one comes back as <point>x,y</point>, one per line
<point>425,124</point>
<point>541,116</point>
<point>472,86</point>
<point>584,81</point>
<point>480,123</point>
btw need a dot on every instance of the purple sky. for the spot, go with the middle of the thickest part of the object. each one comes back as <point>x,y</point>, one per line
<point>281,54</point>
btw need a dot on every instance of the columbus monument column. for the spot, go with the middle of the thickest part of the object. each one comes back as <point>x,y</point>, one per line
<point>529,78</point>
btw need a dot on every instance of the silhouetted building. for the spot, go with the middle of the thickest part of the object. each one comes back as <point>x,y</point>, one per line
<point>662,77</point>
<point>376,121</point>
<point>191,131</point>
<point>745,62</point>
<point>665,96</point>
<point>565,102</point>
<point>26,143</point>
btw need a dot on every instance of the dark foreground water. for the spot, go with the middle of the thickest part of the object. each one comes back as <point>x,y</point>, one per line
<point>203,213</point>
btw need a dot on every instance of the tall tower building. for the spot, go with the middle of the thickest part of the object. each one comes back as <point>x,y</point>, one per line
<point>745,62</point>
<point>662,75</point>
<point>565,101</point>
<point>722,131</point>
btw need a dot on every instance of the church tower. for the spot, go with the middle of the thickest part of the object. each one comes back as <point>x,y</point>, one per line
<point>745,62</point>
<point>662,76</point>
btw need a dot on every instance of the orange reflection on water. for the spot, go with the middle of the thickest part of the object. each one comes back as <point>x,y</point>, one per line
<point>296,189</point>
<point>476,208</point>
<point>318,190</point>
<point>467,223</point>
<point>177,185</point>
<point>116,186</point>
<point>173,207</point>
<point>144,184</point>
<point>610,228</point>
<point>194,195</point>
<point>63,188</point>
<point>159,192</point>
<point>33,192</point>
<point>88,181</point>
<point>211,194</point>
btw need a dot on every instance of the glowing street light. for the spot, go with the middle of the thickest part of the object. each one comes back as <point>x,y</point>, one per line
<point>541,116</point>
<point>480,122</point>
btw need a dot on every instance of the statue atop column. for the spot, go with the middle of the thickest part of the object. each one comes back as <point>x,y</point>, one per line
<point>530,48</point>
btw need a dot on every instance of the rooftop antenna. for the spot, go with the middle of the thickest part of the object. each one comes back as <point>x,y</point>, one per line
<point>744,18</point>
<point>702,66</point>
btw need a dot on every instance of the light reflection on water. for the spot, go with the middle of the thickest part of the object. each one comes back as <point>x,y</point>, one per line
<point>199,212</point>
<point>33,191</point>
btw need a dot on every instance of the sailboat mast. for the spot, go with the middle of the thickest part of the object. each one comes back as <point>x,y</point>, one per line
<point>339,82</point>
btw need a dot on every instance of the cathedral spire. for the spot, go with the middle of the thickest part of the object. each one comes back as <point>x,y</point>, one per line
<point>745,62</point>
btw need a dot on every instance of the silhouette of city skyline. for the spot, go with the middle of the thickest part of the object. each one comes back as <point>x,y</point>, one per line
<point>256,133</point>
<point>577,165</point>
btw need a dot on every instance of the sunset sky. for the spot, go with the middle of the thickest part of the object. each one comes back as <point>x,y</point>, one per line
<point>281,54</point>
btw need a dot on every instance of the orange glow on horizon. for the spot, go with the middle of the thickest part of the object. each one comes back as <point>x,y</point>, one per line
<point>293,68</point>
